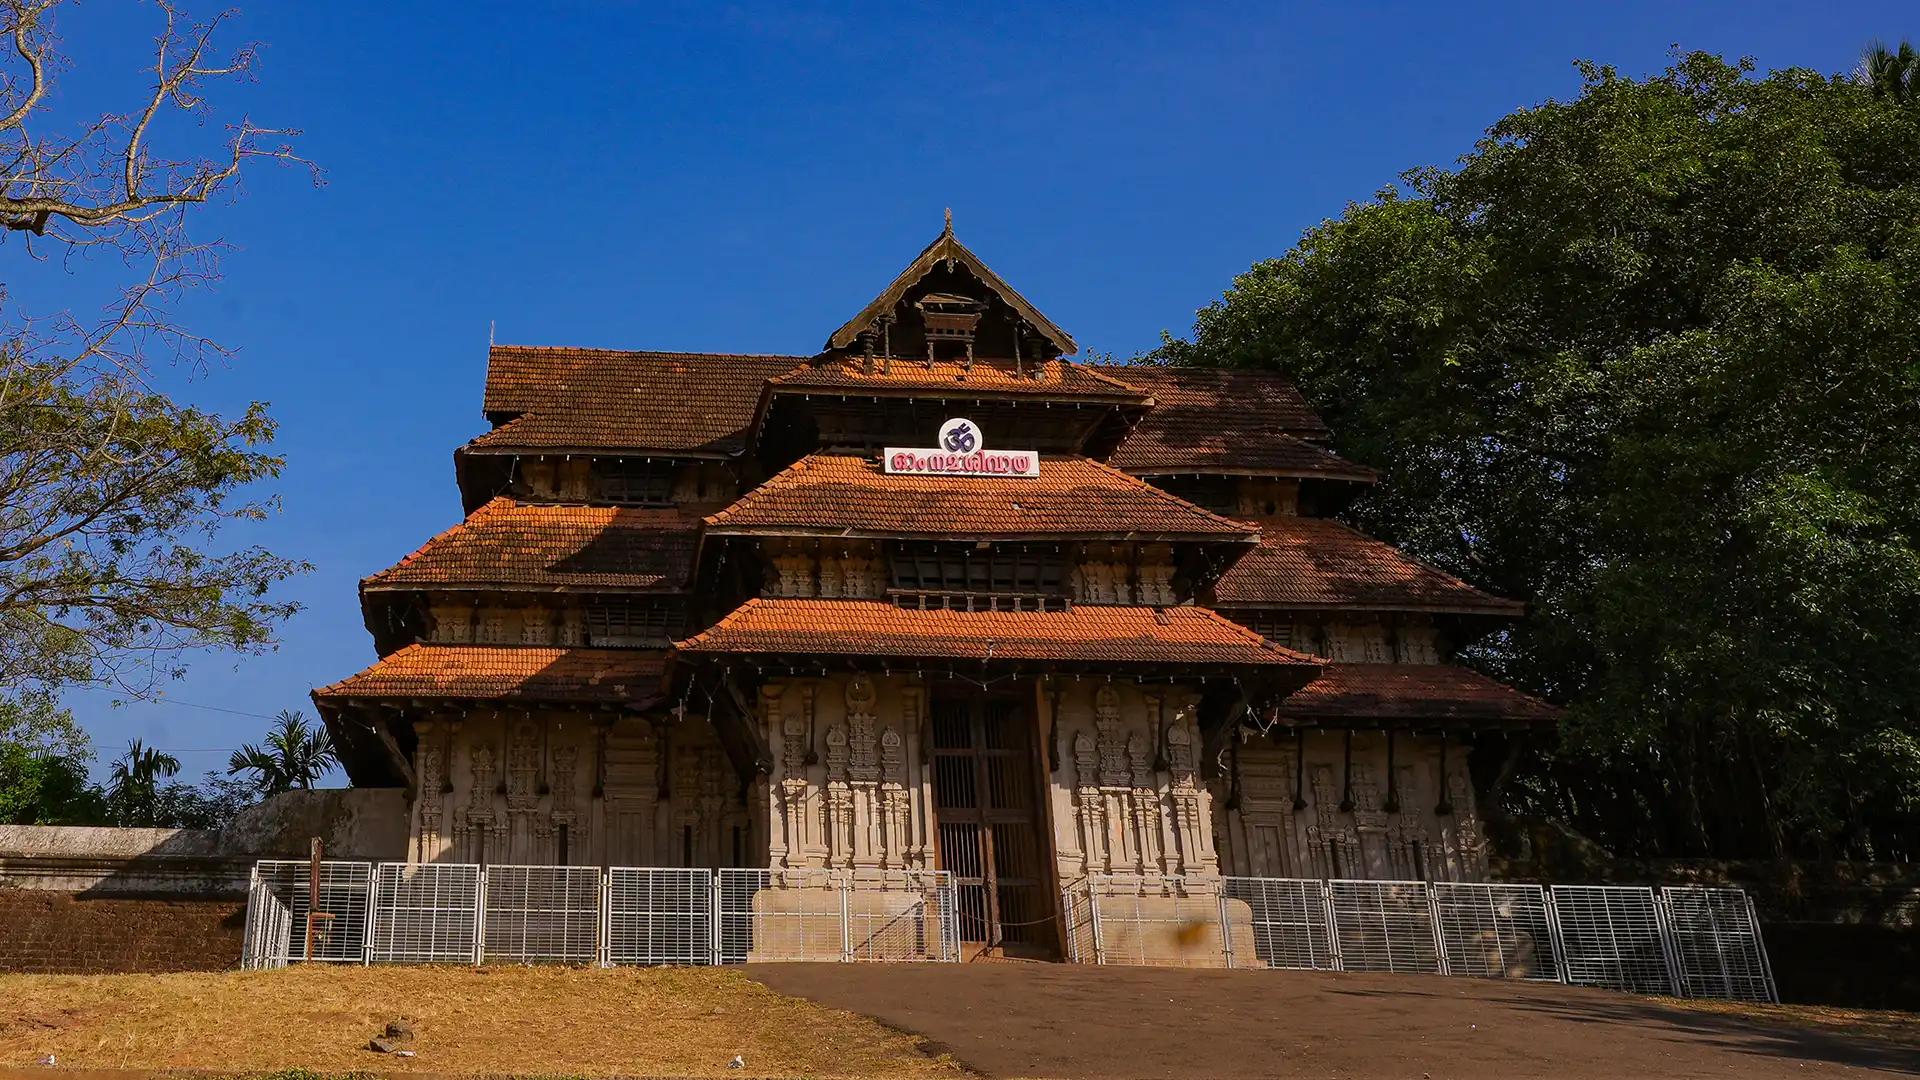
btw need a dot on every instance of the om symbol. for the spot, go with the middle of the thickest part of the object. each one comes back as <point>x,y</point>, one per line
<point>959,439</point>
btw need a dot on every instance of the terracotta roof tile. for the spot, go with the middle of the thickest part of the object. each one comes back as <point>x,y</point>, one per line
<point>1411,692</point>
<point>1307,562</point>
<point>995,378</point>
<point>1208,419</point>
<point>1072,497</point>
<point>603,399</point>
<point>494,672</point>
<point>1119,635</point>
<point>507,544</point>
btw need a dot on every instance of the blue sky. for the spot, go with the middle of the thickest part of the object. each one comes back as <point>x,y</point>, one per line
<point>741,178</point>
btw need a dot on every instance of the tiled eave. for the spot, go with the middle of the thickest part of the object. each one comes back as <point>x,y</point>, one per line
<point>1412,696</point>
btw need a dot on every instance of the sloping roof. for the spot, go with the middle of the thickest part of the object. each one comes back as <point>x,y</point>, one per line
<point>996,378</point>
<point>563,399</point>
<point>1442,693</point>
<point>1271,454</point>
<point>1305,562</point>
<point>845,495</point>
<point>873,628</point>
<point>509,673</point>
<point>508,544</point>
<point>1216,419</point>
<point>947,248</point>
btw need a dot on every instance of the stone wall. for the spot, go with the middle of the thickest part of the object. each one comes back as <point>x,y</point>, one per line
<point>52,932</point>
<point>354,823</point>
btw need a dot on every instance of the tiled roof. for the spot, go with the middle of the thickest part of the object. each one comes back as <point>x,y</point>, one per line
<point>507,544</point>
<point>1307,562</point>
<point>873,628</point>
<point>497,672</point>
<point>1225,454</point>
<point>603,399</point>
<point>847,495</point>
<point>1412,692</point>
<point>1213,419</point>
<point>996,378</point>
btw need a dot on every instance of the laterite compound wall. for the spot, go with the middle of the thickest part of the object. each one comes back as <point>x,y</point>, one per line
<point>59,932</point>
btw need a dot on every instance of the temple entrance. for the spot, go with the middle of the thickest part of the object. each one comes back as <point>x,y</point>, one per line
<point>989,832</point>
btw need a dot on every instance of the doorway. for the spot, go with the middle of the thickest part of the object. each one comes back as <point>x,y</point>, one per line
<point>985,803</point>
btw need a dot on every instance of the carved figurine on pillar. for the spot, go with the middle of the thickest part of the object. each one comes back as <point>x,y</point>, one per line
<point>429,768</point>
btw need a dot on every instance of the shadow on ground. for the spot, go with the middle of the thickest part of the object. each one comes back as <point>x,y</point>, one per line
<point>1086,1023</point>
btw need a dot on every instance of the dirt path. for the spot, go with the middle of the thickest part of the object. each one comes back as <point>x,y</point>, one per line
<point>1085,1023</point>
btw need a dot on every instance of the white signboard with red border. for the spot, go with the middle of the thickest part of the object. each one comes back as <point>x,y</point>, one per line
<point>962,452</point>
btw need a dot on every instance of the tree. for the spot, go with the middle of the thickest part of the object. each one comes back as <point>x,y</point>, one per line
<point>1892,73</point>
<point>43,765</point>
<point>1647,359</point>
<point>111,493</point>
<point>133,785</point>
<point>295,755</point>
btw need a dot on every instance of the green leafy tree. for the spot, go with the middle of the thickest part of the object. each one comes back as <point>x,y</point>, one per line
<point>295,754</point>
<point>112,494</point>
<point>1647,358</point>
<point>43,766</point>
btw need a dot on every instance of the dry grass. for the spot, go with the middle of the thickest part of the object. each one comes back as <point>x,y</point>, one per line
<point>553,1021</point>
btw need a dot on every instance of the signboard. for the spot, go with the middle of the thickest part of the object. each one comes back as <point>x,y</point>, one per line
<point>962,452</point>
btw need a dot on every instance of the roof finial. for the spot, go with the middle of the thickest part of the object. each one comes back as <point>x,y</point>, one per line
<point>949,221</point>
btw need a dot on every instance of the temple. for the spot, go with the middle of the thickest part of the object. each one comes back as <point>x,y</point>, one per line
<point>934,597</point>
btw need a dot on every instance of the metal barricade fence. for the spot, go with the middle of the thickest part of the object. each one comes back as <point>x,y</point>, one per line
<point>1291,926</point>
<point>658,915</point>
<point>1612,936</point>
<point>327,912</point>
<point>780,915</point>
<point>1715,944</point>
<point>1495,931</point>
<point>904,916</point>
<point>1159,922</point>
<point>468,914</point>
<point>1384,926</point>
<point>268,934</point>
<point>426,913</point>
<point>1691,941</point>
<point>542,914</point>
<point>1081,919</point>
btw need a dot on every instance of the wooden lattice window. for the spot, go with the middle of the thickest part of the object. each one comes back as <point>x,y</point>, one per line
<point>633,622</point>
<point>1219,494</point>
<point>971,577</point>
<point>1275,626</point>
<point>635,483</point>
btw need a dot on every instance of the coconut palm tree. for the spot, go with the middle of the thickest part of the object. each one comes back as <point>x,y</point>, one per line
<point>295,755</point>
<point>1892,73</point>
<point>133,784</point>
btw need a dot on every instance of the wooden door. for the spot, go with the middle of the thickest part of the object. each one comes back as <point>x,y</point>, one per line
<point>984,802</point>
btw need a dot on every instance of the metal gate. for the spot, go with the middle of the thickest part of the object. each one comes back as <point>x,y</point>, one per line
<point>1384,926</point>
<point>1612,936</point>
<point>1495,931</point>
<point>1716,946</point>
<point>426,914</point>
<point>659,915</point>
